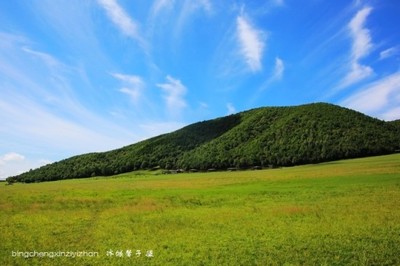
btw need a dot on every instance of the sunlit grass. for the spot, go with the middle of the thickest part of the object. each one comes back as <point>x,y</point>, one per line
<point>337,213</point>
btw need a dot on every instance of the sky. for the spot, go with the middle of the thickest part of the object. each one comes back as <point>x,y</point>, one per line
<point>88,76</point>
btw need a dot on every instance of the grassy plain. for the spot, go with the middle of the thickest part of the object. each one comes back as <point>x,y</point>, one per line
<point>337,213</point>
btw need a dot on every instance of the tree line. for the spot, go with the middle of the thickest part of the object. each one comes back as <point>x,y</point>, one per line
<point>265,137</point>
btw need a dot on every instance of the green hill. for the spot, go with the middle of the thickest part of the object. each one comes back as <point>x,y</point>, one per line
<point>396,123</point>
<point>270,136</point>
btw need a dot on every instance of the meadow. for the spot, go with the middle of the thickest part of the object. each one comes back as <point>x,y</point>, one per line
<point>337,213</point>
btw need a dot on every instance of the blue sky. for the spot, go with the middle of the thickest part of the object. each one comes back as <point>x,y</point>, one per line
<point>83,76</point>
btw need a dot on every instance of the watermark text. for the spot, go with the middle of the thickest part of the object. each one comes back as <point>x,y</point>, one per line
<point>54,254</point>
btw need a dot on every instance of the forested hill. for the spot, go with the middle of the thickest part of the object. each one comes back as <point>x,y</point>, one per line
<point>270,136</point>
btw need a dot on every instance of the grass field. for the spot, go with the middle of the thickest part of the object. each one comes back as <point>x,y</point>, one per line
<point>338,213</point>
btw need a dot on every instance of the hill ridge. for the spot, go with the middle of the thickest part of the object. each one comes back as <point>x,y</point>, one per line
<point>264,136</point>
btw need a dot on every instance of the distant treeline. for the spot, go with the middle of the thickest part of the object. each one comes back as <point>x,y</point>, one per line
<point>270,136</point>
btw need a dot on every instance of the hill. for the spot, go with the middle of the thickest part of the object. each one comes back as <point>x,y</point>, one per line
<point>269,136</point>
<point>396,123</point>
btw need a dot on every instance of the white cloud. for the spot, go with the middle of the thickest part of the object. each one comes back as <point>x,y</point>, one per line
<point>159,5</point>
<point>389,52</point>
<point>361,35</point>
<point>42,113</point>
<point>203,105</point>
<point>231,109</point>
<point>39,75</point>
<point>251,42</point>
<point>357,72</point>
<point>277,75</point>
<point>133,93</point>
<point>191,6</point>
<point>13,163</point>
<point>279,69</point>
<point>205,4</point>
<point>361,47</point>
<point>11,156</point>
<point>134,85</point>
<point>278,2</point>
<point>74,28</point>
<point>33,126</point>
<point>391,114</point>
<point>174,95</point>
<point>121,19</point>
<point>188,9</point>
<point>380,98</point>
<point>46,58</point>
<point>8,40</point>
<point>132,79</point>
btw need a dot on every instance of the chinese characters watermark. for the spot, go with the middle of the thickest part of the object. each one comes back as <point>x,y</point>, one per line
<point>129,253</point>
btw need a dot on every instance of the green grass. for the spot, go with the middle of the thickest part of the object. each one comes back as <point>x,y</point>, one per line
<point>338,213</point>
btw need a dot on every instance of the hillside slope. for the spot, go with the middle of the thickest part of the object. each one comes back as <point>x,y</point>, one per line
<point>278,136</point>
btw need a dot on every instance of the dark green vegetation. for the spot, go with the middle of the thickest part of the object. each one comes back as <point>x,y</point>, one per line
<point>336,213</point>
<point>275,136</point>
<point>396,123</point>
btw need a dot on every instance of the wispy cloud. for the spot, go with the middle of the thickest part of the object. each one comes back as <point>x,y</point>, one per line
<point>391,114</point>
<point>361,35</point>
<point>40,110</point>
<point>231,109</point>
<point>159,5</point>
<point>277,75</point>
<point>34,125</point>
<point>13,163</point>
<point>191,6</point>
<point>361,47</point>
<point>46,58</point>
<point>267,6</point>
<point>380,98</point>
<point>389,52</point>
<point>203,105</point>
<point>73,26</point>
<point>252,43</point>
<point>11,156</point>
<point>188,9</point>
<point>174,95</point>
<point>205,4</point>
<point>133,85</point>
<point>121,19</point>
<point>27,73</point>
<point>133,93</point>
<point>10,164</point>
<point>278,2</point>
<point>278,70</point>
<point>357,73</point>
